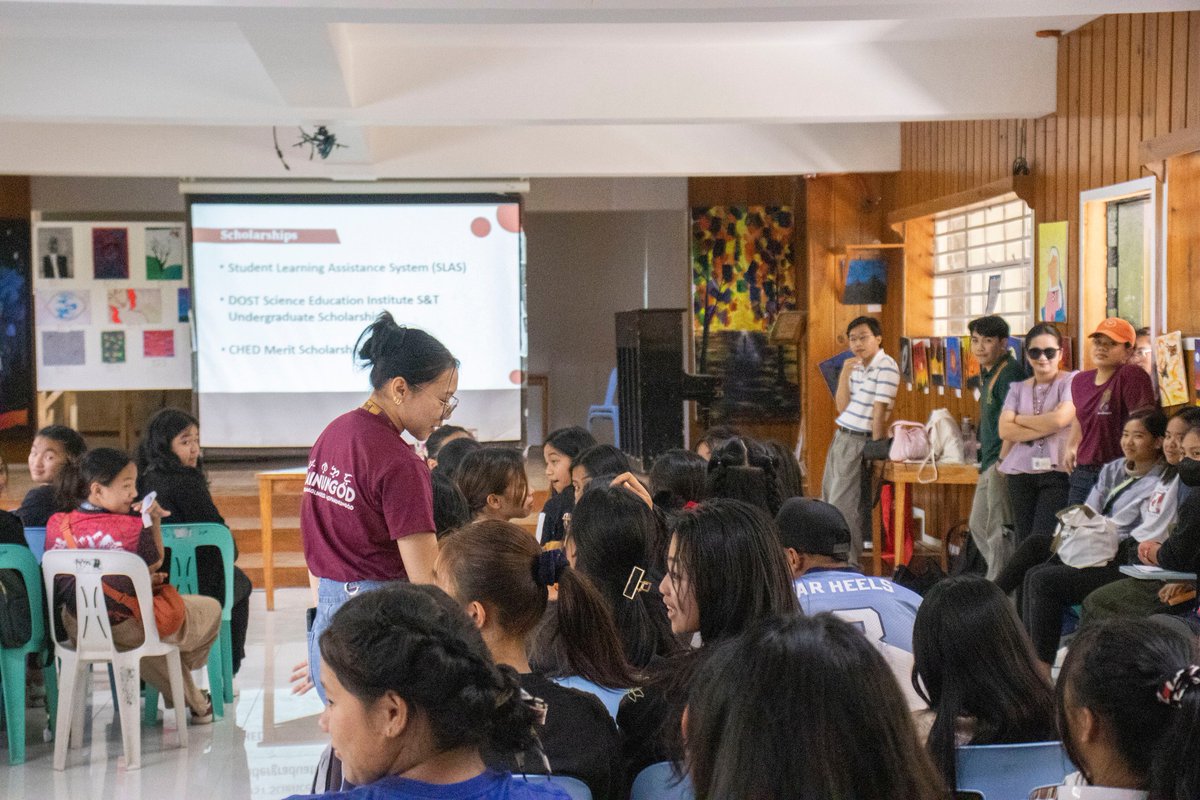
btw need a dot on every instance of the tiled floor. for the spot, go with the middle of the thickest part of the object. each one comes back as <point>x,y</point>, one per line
<point>266,746</point>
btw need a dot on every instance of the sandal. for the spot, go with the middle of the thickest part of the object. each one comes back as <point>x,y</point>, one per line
<point>206,717</point>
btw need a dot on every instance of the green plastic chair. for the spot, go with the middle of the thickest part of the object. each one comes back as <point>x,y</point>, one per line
<point>183,541</point>
<point>13,661</point>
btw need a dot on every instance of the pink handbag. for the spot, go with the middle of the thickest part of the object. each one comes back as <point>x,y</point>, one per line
<point>910,441</point>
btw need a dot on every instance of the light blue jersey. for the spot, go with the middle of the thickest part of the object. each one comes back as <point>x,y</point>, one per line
<point>884,611</point>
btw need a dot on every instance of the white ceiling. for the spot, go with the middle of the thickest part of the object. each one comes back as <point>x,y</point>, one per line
<point>455,88</point>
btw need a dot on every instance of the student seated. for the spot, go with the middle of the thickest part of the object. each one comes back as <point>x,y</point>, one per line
<point>452,453</point>
<point>714,439</point>
<point>1128,701</point>
<point>440,437</point>
<point>742,469</point>
<point>414,699</point>
<point>53,447</point>
<point>560,448</point>
<point>816,543</point>
<point>100,491</point>
<point>803,707</point>
<point>1121,494</point>
<point>725,569</point>
<point>500,575</point>
<point>11,529</point>
<point>493,481</point>
<point>169,464</point>
<point>450,508</point>
<point>677,478</point>
<point>788,472</point>
<point>611,540</point>
<point>1139,598</point>
<point>598,461</point>
<point>975,667</point>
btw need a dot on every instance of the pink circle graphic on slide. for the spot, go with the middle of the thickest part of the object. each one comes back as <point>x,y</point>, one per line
<point>516,376</point>
<point>509,217</point>
<point>480,227</point>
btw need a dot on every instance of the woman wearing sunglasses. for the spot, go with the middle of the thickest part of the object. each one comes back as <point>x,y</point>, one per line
<point>1035,424</point>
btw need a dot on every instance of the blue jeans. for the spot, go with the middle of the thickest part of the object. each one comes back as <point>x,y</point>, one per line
<point>331,595</point>
<point>1082,479</point>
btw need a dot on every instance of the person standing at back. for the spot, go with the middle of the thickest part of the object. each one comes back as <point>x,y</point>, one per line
<point>991,511</point>
<point>1104,398</point>
<point>866,391</point>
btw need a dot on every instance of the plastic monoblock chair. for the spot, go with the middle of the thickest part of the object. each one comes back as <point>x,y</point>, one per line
<point>183,540</point>
<point>610,697</point>
<point>575,788</point>
<point>658,782</point>
<point>94,644</point>
<point>1010,771</point>
<point>13,660</point>
<point>36,539</point>
<point>608,409</point>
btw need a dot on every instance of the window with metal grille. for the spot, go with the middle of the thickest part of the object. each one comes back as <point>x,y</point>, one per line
<point>983,264</point>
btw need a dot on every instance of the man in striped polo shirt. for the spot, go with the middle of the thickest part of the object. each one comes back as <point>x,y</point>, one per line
<point>866,390</point>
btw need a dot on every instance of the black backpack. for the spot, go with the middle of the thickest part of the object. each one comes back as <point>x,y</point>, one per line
<point>16,627</point>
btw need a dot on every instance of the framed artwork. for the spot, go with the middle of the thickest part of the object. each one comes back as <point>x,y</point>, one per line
<point>1052,272</point>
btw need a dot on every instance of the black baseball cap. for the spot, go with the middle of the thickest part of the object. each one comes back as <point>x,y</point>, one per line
<point>811,526</point>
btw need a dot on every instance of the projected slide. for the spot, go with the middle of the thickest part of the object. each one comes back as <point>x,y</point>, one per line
<point>282,290</point>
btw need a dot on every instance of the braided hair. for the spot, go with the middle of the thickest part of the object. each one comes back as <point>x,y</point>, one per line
<point>416,641</point>
<point>742,469</point>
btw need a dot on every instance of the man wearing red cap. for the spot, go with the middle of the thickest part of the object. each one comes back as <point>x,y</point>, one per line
<point>1104,398</point>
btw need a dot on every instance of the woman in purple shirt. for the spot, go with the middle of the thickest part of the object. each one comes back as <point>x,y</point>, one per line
<point>1034,425</point>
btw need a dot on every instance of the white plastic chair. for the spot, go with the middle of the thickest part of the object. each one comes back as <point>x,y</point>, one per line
<point>94,644</point>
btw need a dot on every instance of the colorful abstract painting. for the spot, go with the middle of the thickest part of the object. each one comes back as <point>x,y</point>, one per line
<point>1168,362</point>
<point>971,376</point>
<point>135,306</point>
<point>112,347</point>
<point>158,344</point>
<point>110,253</point>
<point>954,365</point>
<point>741,267</point>
<point>937,361</point>
<point>164,254</point>
<point>920,365</point>
<point>16,347</point>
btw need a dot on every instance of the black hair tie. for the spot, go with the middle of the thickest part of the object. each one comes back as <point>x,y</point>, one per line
<point>549,566</point>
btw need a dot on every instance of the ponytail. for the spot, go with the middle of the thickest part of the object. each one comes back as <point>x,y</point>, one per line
<point>100,465</point>
<point>1175,773</point>
<point>1141,677</point>
<point>397,351</point>
<point>502,567</point>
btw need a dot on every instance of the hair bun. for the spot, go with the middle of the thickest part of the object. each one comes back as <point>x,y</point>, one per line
<point>548,566</point>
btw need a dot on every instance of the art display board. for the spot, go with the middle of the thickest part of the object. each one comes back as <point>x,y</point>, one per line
<point>111,306</point>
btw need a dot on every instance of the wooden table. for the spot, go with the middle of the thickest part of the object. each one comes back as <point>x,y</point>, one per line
<point>267,484</point>
<point>902,474</point>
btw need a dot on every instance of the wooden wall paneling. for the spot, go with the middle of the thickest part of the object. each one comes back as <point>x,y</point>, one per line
<point>1183,243</point>
<point>1136,57</point>
<point>1061,150</point>
<point>1193,70</point>
<point>1179,69</point>
<point>1096,115</point>
<point>1111,79</point>
<point>1162,114</point>
<point>14,196</point>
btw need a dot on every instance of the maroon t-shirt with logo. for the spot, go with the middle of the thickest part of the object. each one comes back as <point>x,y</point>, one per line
<point>1102,410</point>
<point>365,488</point>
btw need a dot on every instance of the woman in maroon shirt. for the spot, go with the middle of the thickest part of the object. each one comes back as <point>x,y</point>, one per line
<point>366,517</point>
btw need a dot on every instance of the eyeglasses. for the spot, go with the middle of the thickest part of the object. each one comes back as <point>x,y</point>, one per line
<point>1035,353</point>
<point>860,339</point>
<point>448,406</point>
